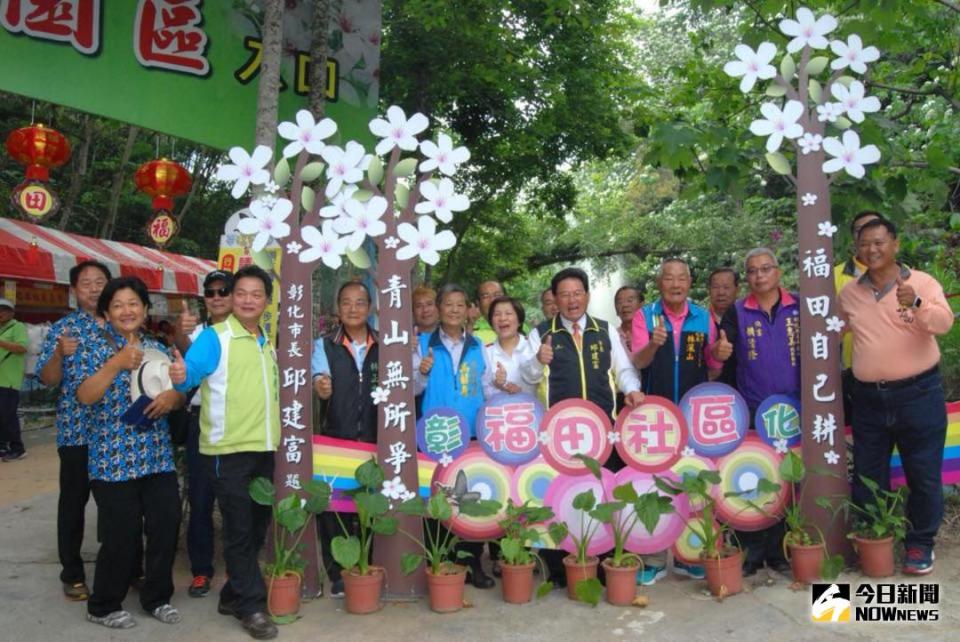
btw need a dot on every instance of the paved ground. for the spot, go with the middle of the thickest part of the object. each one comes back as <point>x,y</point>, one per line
<point>33,608</point>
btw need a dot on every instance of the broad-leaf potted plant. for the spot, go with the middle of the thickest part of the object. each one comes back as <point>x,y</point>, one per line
<point>877,525</point>
<point>722,558</point>
<point>517,558</point>
<point>632,509</point>
<point>581,567</point>
<point>445,578</point>
<point>290,517</point>
<point>804,544</point>
<point>363,583</point>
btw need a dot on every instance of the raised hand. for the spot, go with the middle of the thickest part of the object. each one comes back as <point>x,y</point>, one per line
<point>500,378</point>
<point>178,369</point>
<point>659,335</point>
<point>906,295</point>
<point>187,322</point>
<point>67,344</point>
<point>426,364</point>
<point>722,349</point>
<point>130,357</point>
<point>545,353</point>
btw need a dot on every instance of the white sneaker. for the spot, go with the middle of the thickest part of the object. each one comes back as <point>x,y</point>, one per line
<point>166,614</point>
<point>115,620</point>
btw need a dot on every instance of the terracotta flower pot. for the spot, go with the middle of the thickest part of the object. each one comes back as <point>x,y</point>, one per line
<point>621,583</point>
<point>876,556</point>
<point>283,594</point>
<point>517,582</point>
<point>724,574</point>
<point>805,562</point>
<point>577,572</point>
<point>446,590</point>
<point>362,592</point>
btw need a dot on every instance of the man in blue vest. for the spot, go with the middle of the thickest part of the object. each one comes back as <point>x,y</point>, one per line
<point>345,370</point>
<point>672,338</point>
<point>760,348</point>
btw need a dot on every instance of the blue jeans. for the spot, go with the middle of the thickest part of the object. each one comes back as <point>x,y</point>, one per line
<point>201,498</point>
<point>914,419</point>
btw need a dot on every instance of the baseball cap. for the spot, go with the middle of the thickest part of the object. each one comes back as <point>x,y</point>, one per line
<point>218,275</point>
<point>6,303</point>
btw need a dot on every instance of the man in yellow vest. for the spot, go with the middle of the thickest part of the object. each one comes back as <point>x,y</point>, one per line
<point>235,366</point>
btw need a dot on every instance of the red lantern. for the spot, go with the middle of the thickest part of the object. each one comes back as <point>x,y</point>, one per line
<point>163,180</point>
<point>39,148</point>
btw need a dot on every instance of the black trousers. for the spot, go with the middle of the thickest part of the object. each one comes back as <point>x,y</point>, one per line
<point>123,508</point>
<point>329,528</point>
<point>763,546</point>
<point>9,421</point>
<point>71,506</point>
<point>244,526</point>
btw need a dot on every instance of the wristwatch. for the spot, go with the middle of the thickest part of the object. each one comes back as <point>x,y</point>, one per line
<point>916,302</point>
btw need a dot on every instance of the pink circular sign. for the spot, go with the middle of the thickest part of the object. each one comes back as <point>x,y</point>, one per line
<point>574,427</point>
<point>652,436</point>
<point>560,498</point>
<point>670,525</point>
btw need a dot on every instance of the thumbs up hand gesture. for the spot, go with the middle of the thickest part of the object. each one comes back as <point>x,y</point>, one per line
<point>178,369</point>
<point>324,386</point>
<point>187,321</point>
<point>500,378</point>
<point>545,353</point>
<point>906,295</point>
<point>426,364</point>
<point>659,335</point>
<point>722,348</point>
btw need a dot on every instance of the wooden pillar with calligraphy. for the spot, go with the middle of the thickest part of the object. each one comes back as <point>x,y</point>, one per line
<point>816,119</point>
<point>320,221</point>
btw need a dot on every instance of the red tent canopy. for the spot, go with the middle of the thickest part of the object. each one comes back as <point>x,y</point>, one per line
<point>36,253</point>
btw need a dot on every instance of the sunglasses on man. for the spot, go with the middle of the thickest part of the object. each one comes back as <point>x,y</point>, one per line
<point>220,292</point>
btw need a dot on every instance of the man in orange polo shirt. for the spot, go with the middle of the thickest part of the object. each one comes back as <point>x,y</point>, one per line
<point>895,314</point>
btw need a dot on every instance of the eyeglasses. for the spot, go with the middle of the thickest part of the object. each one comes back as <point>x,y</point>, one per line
<point>220,292</point>
<point>763,269</point>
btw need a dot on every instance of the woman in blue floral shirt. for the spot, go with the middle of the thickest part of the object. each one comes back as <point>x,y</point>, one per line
<point>131,468</point>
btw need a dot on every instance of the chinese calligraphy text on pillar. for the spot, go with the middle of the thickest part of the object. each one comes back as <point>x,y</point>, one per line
<point>817,102</point>
<point>333,205</point>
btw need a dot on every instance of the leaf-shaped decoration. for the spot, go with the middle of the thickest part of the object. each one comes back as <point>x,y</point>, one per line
<point>311,172</point>
<point>402,194</point>
<point>281,172</point>
<point>775,90</point>
<point>359,258</point>
<point>817,65</point>
<point>375,170</point>
<point>779,163</point>
<point>788,67</point>
<point>843,123</point>
<point>406,167</point>
<point>845,80</point>
<point>816,91</point>
<point>362,195</point>
<point>307,198</point>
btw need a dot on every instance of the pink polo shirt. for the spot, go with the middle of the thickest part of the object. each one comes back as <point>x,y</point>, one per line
<point>890,342</point>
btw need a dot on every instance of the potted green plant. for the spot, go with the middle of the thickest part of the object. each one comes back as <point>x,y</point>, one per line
<point>877,525</point>
<point>518,559</point>
<point>620,569</point>
<point>722,559</point>
<point>581,567</point>
<point>290,518</point>
<point>363,583</point>
<point>803,543</point>
<point>445,578</point>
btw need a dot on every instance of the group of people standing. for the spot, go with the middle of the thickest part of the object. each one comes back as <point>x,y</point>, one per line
<point>227,383</point>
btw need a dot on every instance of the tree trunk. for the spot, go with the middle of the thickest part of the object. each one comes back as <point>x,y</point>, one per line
<point>201,177</point>
<point>268,94</point>
<point>319,30</point>
<point>109,223</point>
<point>80,161</point>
